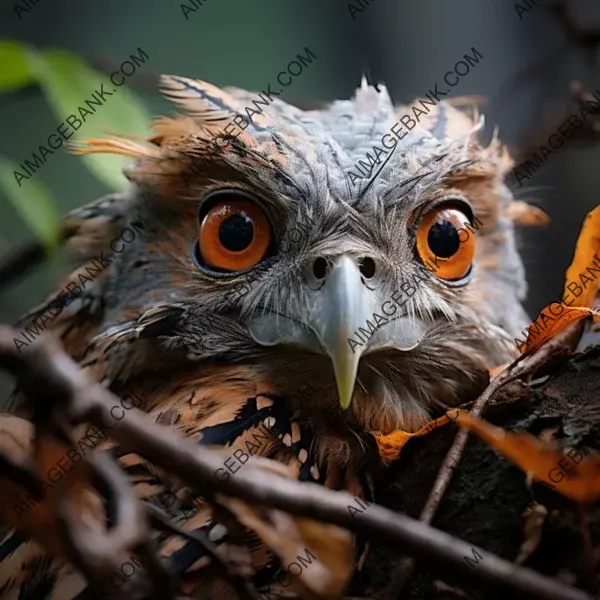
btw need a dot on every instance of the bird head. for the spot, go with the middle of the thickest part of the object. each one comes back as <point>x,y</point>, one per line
<point>329,246</point>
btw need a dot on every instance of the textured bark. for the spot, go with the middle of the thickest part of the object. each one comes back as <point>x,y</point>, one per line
<point>488,494</point>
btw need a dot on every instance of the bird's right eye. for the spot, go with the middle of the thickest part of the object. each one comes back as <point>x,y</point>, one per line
<point>234,233</point>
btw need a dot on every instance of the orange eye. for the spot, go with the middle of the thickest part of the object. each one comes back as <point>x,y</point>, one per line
<point>234,234</point>
<point>445,243</point>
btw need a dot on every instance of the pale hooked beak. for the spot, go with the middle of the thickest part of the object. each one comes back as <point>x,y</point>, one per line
<point>341,306</point>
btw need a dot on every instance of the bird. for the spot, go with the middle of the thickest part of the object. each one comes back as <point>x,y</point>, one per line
<point>308,277</point>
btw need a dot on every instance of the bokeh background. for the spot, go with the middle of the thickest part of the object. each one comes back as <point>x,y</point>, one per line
<point>529,60</point>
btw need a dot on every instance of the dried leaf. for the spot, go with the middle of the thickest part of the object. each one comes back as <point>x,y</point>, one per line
<point>588,246</point>
<point>391,445</point>
<point>297,540</point>
<point>586,250</point>
<point>579,481</point>
<point>534,515</point>
<point>558,323</point>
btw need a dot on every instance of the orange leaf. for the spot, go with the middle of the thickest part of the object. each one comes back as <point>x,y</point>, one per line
<point>391,445</point>
<point>579,481</point>
<point>584,260</point>
<point>558,323</point>
<point>588,245</point>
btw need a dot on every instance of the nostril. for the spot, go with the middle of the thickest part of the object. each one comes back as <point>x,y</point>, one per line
<point>367,267</point>
<point>320,268</point>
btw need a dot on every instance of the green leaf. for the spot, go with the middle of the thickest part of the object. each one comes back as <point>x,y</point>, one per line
<point>34,203</point>
<point>68,82</point>
<point>16,71</point>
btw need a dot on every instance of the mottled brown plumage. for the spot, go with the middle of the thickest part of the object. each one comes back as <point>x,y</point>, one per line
<point>220,366</point>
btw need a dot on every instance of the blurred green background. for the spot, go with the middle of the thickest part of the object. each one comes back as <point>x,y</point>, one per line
<point>528,63</point>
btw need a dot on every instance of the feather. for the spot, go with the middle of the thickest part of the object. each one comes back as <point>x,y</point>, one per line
<point>199,99</point>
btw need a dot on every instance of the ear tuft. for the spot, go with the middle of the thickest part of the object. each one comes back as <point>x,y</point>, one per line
<point>526,214</point>
<point>200,99</point>
<point>114,145</point>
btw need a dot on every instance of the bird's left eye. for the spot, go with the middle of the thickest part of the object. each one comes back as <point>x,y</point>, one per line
<point>234,233</point>
<point>445,243</point>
